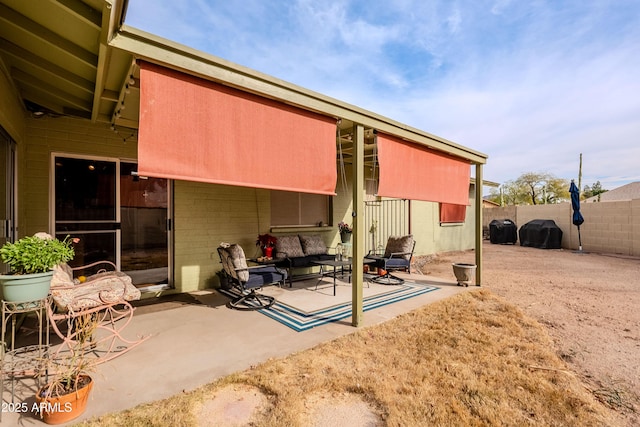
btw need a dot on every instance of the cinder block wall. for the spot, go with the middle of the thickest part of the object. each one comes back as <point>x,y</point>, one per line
<point>609,227</point>
<point>64,135</point>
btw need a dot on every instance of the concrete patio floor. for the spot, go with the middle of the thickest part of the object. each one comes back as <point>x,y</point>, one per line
<point>194,344</point>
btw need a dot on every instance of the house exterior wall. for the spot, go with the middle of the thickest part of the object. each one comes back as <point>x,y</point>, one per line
<point>12,117</point>
<point>204,214</point>
<point>431,237</point>
<point>60,134</point>
<point>609,227</point>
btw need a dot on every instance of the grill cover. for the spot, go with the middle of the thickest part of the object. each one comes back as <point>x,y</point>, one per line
<point>541,233</point>
<point>503,231</point>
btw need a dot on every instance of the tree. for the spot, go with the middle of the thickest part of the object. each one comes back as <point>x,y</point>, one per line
<point>532,189</point>
<point>595,190</point>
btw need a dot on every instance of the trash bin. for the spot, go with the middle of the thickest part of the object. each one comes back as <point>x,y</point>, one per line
<point>503,231</point>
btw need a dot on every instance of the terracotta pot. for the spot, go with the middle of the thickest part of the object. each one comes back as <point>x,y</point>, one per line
<point>61,409</point>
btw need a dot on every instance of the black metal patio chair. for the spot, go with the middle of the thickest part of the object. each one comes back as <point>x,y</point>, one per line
<point>248,280</point>
<point>397,256</point>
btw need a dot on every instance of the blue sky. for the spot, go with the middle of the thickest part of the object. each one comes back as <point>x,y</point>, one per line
<point>530,83</point>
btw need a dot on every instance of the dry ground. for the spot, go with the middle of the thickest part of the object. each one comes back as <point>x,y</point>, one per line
<point>475,358</point>
<point>590,303</point>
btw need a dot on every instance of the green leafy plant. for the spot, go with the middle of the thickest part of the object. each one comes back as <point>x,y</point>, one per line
<point>35,254</point>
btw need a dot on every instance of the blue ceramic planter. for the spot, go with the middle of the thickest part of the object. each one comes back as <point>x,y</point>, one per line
<point>25,287</point>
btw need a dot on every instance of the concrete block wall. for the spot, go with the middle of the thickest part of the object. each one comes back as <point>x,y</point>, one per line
<point>46,135</point>
<point>609,227</point>
<point>206,215</point>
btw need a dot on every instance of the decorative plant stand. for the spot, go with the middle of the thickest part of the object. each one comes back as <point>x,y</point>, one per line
<point>27,361</point>
<point>464,273</point>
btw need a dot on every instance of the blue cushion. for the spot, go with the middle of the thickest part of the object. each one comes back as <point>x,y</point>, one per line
<point>261,276</point>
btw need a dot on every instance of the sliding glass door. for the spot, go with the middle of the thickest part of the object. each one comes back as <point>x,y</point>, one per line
<point>117,215</point>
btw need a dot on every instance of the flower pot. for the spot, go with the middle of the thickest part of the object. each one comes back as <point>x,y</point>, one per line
<point>464,273</point>
<point>26,287</point>
<point>345,237</point>
<point>61,409</point>
<point>268,251</point>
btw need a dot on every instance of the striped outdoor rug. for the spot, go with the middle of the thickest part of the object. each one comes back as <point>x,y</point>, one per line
<point>301,320</point>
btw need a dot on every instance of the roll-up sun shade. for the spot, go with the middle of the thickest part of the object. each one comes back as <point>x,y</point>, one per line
<point>197,130</point>
<point>452,214</point>
<point>411,171</point>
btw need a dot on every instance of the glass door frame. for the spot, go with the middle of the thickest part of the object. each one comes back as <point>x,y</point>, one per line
<point>118,215</point>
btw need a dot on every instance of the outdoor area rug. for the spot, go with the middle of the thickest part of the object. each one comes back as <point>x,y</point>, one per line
<point>304,307</point>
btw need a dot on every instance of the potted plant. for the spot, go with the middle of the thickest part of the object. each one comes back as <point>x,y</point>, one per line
<point>345,231</point>
<point>266,242</point>
<point>65,396</point>
<point>31,260</point>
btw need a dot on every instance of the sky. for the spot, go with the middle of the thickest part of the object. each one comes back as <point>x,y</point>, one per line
<point>532,84</point>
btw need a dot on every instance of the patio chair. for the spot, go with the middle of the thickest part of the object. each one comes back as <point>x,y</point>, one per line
<point>397,256</point>
<point>248,280</point>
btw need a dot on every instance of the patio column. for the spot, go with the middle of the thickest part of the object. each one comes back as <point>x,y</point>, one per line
<point>479,224</point>
<point>357,275</point>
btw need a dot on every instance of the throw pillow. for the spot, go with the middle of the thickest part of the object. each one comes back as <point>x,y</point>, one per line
<point>232,257</point>
<point>62,276</point>
<point>289,246</point>
<point>399,244</point>
<point>313,244</point>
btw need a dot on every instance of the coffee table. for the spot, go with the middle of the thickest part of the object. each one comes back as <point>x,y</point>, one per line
<point>336,267</point>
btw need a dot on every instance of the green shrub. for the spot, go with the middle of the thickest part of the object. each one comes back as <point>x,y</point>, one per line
<point>34,254</point>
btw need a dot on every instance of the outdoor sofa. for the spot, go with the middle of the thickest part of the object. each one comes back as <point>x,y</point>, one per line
<point>297,253</point>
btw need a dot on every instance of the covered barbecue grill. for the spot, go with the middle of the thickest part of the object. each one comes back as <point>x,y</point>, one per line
<point>541,233</point>
<point>503,231</point>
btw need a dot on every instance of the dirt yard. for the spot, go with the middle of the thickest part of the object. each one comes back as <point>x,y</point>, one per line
<point>589,302</point>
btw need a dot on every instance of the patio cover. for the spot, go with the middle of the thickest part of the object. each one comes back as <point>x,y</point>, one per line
<point>411,171</point>
<point>197,130</point>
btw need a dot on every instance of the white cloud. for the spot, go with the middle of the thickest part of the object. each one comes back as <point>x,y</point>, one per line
<point>531,84</point>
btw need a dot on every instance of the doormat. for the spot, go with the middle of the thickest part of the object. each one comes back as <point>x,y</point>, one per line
<point>163,303</point>
<point>301,320</point>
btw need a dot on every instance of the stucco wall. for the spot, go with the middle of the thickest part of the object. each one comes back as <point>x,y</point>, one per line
<point>609,227</point>
<point>431,237</point>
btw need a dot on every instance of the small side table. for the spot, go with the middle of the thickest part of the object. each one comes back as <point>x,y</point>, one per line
<point>24,361</point>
